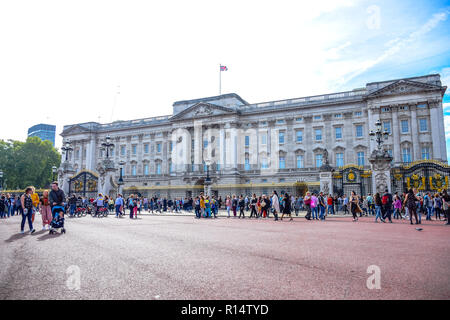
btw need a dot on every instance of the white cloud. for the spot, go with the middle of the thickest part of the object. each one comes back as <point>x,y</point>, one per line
<point>396,45</point>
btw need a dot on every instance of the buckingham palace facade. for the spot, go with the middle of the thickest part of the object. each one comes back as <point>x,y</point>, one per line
<point>246,147</point>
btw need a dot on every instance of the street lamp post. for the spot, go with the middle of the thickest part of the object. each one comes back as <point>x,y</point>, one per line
<point>380,160</point>
<point>208,178</point>
<point>54,170</point>
<point>379,135</point>
<point>107,144</point>
<point>1,180</point>
<point>120,181</point>
<point>67,148</point>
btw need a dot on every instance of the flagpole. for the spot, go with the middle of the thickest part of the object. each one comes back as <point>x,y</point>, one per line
<point>220,79</point>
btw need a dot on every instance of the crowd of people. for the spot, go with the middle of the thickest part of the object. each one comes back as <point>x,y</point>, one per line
<point>29,203</point>
<point>383,207</point>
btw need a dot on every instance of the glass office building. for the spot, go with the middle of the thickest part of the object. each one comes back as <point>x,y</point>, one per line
<point>43,131</point>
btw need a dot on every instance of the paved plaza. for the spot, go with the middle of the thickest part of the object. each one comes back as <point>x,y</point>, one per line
<point>179,257</point>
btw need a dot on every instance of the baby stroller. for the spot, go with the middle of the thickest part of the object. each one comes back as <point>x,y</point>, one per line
<point>58,221</point>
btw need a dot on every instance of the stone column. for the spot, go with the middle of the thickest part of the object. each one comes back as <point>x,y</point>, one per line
<point>443,145</point>
<point>414,134</point>
<point>396,136</point>
<point>222,148</point>
<point>308,142</point>
<point>381,174</point>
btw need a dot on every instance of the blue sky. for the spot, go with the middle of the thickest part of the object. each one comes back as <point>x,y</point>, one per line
<point>62,61</point>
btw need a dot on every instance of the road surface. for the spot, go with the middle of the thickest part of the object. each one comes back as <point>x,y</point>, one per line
<point>179,257</point>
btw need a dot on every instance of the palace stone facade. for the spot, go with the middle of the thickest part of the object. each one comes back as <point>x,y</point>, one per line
<point>263,146</point>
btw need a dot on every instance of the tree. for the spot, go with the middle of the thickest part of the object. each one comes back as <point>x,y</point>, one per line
<point>28,163</point>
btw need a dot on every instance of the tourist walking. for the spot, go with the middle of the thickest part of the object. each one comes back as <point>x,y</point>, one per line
<point>410,203</point>
<point>354,206</point>
<point>287,207</point>
<point>46,211</point>
<point>275,205</point>
<point>27,213</point>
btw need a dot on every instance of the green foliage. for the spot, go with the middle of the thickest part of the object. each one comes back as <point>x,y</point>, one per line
<point>27,163</point>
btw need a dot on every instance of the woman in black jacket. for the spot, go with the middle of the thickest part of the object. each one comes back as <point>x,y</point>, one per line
<point>287,207</point>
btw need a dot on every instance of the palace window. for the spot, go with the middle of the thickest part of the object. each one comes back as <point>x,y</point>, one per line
<point>386,109</point>
<point>122,150</point>
<point>282,162</point>
<point>158,168</point>
<point>247,163</point>
<point>133,149</point>
<point>133,170</point>
<point>318,117</point>
<point>423,125</point>
<point>338,115</point>
<point>338,132</point>
<point>247,141</point>
<point>387,126</point>
<point>281,137</point>
<point>300,163</point>
<point>146,148</point>
<point>158,147</point>
<point>405,126</point>
<point>318,160</point>
<point>318,134</point>
<point>339,159</point>
<point>146,169</point>
<point>358,113</point>
<point>425,153</point>
<point>359,131</point>
<point>264,139</point>
<point>264,164</point>
<point>406,155</point>
<point>360,158</point>
<point>299,135</point>
<point>299,119</point>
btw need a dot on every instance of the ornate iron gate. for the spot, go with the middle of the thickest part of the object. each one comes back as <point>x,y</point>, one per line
<point>352,178</point>
<point>425,176</point>
<point>84,184</point>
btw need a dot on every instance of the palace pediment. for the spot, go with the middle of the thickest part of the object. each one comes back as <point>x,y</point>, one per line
<point>75,130</point>
<point>402,87</point>
<point>203,110</point>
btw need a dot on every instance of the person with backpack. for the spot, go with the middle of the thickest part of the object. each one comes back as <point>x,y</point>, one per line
<point>386,200</point>
<point>378,205</point>
<point>264,206</point>
<point>253,202</point>
<point>330,204</point>
<point>321,207</point>
<point>234,204</point>
<point>411,203</point>
<point>27,213</point>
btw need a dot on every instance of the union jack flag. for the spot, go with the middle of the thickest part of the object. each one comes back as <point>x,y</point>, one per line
<point>223,68</point>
